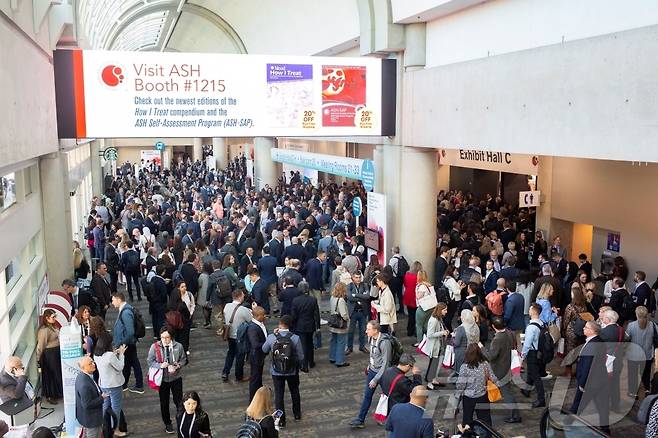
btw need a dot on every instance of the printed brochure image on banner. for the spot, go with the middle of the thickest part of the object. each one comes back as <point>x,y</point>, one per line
<point>343,93</point>
<point>289,93</point>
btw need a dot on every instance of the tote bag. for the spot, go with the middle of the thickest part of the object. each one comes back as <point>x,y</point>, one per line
<point>155,374</point>
<point>382,406</point>
<point>428,302</point>
<point>515,365</point>
<point>423,347</point>
<point>448,357</point>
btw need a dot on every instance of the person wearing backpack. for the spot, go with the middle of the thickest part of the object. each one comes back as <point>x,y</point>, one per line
<point>259,422</point>
<point>400,266</point>
<point>235,313</point>
<point>124,333</point>
<point>131,264</point>
<point>531,355</point>
<point>381,353</point>
<point>287,356</point>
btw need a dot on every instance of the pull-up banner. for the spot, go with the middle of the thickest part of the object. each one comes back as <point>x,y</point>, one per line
<point>105,94</point>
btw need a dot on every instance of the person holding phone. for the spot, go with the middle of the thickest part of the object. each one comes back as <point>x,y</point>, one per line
<point>89,399</point>
<point>13,382</point>
<point>193,421</point>
<point>260,411</point>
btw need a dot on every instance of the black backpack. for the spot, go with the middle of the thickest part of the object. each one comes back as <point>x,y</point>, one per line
<point>147,288</point>
<point>403,266</point>
<point>242,340</point>
<point>250,429</point>
<point>545,346</point>
<point>224,288</point>
<point>132,261</point>
<point>627,307</point>
<point>443,295</point>
<point>283,355</point>
<point>396,348</point>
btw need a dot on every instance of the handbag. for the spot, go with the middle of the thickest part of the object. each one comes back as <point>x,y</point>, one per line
<point>493,392</point>
<point>423,347</point>
<point>515,364</point>
<point>448,357</point>
<point>335,320</point>
<point>155,374</point>
<point>227,327</point>
<point>174,319</point>
<point>382,406</point>
<point>429,301</point>
<point>560,347</point>
<point>554,330</point>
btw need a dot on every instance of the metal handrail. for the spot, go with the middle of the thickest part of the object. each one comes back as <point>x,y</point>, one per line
<point>545,419</point>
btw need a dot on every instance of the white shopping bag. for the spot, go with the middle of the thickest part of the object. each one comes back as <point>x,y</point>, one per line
<point>449,357</point>
<point>560,347</point>
<point>423,347</point>
<point>609,363</point>
<point>515,366</point>
<point>382,409</point>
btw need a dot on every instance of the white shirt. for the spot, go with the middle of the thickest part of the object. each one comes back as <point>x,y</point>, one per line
<point>261,325</point>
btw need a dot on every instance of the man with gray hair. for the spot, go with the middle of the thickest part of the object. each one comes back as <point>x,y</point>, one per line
<point>614,337</point>
<point>395,382</point>
<point>591,375</point>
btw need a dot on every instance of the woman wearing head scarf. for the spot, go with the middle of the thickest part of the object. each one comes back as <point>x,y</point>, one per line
<point>467,333</point>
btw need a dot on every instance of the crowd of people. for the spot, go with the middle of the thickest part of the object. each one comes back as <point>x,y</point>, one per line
<point>199,243</point>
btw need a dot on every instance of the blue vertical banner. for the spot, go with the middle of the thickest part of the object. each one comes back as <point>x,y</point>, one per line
<point>368,175</point>
<point>70,346</point>
<point>357,206</point>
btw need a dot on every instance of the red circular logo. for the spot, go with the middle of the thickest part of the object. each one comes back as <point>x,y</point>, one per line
<point>112,75</point>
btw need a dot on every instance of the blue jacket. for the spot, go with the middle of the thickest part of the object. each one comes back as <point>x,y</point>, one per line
<point>88,401</point>
<point>408,421</point>
<point>260,291</point>
<point>490,283</point>
<point>313,274</point>
<point>267,269</point>
<point>297,346</point>
<point>514,318</point>
<point>124,327</point>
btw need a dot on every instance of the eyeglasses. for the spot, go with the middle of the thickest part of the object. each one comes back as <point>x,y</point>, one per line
<point>589,290</point>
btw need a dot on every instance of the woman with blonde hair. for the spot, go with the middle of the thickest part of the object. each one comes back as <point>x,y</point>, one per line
<point>48,357</point>
<point>436,340</point>
<point>339,313</point>
<point>260,410</point>
<point>548,313</point>
<point>80,265</point>
<point>423,289</point>
<point>641,332</point>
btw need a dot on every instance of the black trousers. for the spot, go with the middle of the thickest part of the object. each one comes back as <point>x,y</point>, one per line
<point>134,277</point>
<point>534,374</point>
<point>131,362</point>
<point>114,279</point>
<point>479,406</point>
<point>452,308</point>
<point>279,391</point>
<point>233,355</point>
<point>411,321</point>
<point>176,389</point>
<point>307,346</point>
<point>256,364</point>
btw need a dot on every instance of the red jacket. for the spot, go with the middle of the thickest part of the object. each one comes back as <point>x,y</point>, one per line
<point>409,282</point>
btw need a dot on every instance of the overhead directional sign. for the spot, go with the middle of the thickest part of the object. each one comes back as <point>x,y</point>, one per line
<point>529,199</point>
<point>159,146</point>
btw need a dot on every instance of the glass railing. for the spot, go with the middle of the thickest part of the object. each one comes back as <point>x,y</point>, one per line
<point>568,425</point>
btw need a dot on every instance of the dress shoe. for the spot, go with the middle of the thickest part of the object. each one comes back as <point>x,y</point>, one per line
<point>511,420</point>
<point>298,418</point>
<point>357,424</point>
<point>348,352</point>
<point>538,404</point>
<point>224,378</point>
<point>332,361</point>
<point>525,392</point>
<point>345,364</point>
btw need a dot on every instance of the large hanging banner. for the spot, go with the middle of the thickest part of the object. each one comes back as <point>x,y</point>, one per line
<point>377,223</point>
<point>103,94</point>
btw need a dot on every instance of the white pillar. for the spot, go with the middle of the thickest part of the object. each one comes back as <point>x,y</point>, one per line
<point>56,208</point>
<point>393,190</point>
<point>414,52</point>
<point>166,157</point>
<point>545,186</point>
<point>220,152</point>
<point>378,159</point>
<point>417,206</point>
<point>265,170</point>
<point>197,149</point>
<point>96,168</point>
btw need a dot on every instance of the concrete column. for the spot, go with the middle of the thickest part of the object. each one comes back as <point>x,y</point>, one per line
<point>414,52</point>
<point>378,159</point>
<point>166,157</point>
<point>56,208</point>
<point>393,190</point>
<point>96,167</point>
<point>545,186</point>
<point>266,171</point>
<point>197,149</point>
<point>220,152</point>
<point>417,206</point>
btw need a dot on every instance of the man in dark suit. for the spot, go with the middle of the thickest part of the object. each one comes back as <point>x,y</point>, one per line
<point>490,277</point>
<point>190,274</point>
<point>256,333</point>
<point>295,251</point>
<point>79,297</point>
<point>547,277</point>
<point>267,269</point>
<point>585,265</point>
<point>514,311</point>
<point>441,265</point>
<point>615,338</point>
<point>276,247</point>
<point>591,375</point>
<point>159,299</point>
<point>89,399</point>
<point>113,262</point>
<point>305,314</point>
<point>408,419</point>
<point>642,290</point>
<point>101,289</point>
<point>287,295</point>
<point>13,383</point>
<point>247,259</point>
<point>618,294</point>
<point>260,290</point>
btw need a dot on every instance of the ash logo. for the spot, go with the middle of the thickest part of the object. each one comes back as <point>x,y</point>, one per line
<point>112,75</point>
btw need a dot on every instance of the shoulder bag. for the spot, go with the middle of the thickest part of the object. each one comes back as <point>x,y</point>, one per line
<point>382,406</point>
<point>336,320</point>
<point>155,374</point>
<point>227,327</point>
<point>493,392</point>
<point>429,301</point>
